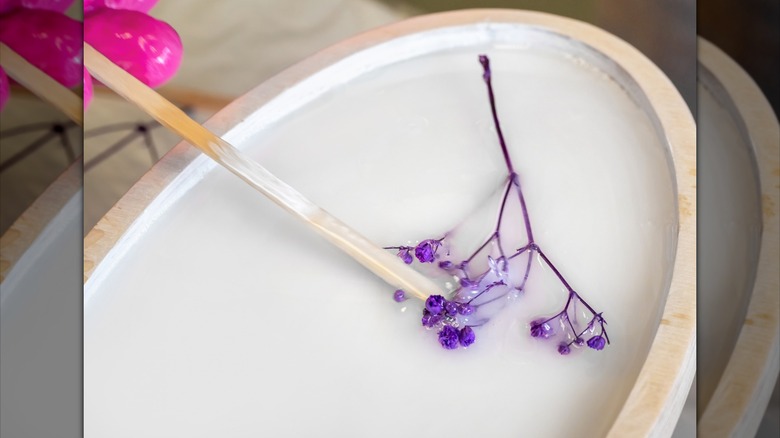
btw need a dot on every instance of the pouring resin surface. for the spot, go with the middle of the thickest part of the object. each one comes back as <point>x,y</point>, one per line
<point>224,316</point>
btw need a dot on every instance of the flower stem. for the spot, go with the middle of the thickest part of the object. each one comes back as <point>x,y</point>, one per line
<point>514,178</point>
<point>558,274</point>
<point>503,203</point>
<point>486,66</point>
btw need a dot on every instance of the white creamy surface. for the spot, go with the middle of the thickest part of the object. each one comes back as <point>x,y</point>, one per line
<point>228,318</point>
<point>729,233</point>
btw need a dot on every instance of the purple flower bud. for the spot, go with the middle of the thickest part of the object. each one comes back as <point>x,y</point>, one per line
<point>426,318</point>
<point>469,284</point>
<point>435,304</point>
<point>465,309</point>
<point>446,265</point>
<point>399,296</point>
<point>405,256</point>
<point>597,342</point>
<point>564,349</point>
<point>430,320</point>
<point>466,336</point>
<point>451,308</point>
<point>541,330</point>
<point>448,337</point>
<point>426,250</point>
<point>579,341</point>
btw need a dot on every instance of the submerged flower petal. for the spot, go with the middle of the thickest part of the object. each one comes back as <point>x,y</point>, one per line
<point>597,342</point>
<point>435,304</point>
<point>426,250</point>
<point>466,336</point>
<point>448,337</point>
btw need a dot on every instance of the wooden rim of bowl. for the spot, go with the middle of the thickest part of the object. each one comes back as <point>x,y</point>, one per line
<point>743,391</point>
<point>18,238</point>
<point>655,402</point>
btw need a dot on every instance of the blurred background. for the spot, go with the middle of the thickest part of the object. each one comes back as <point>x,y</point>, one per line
<point>749,32</point>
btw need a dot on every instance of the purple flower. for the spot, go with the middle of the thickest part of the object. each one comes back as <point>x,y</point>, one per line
<point>564,349</point>
<point>430,320</point>
<point>426,318</point>
<point>448,337</point>
<point>446,265</point>
<point>399,296</point>
<point>435,304</point>
<point>466,309</point>
<point>466,336</point>
<point>426,250</point>
<point>597,342</point>
<point>451,308</point>
<point>404,254</point>
<point>541,330</point>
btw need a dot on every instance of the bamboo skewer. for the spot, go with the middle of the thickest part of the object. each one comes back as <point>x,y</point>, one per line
<point>379,261</point>
<point>42,85</point>
<point>182,96</point>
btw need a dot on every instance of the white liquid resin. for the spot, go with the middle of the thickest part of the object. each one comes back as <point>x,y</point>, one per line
<point>729,235</point>
<point>228,318</point>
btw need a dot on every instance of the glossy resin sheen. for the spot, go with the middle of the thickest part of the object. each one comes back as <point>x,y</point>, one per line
<point>224,316</point>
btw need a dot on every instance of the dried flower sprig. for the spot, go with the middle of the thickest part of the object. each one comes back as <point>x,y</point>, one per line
<point>425,251</point>
<point>470,304</point>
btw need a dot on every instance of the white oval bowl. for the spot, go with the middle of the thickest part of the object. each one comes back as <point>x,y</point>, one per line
<point>207,311</point>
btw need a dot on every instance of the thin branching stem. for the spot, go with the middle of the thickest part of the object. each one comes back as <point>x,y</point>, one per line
<point>470,284</point>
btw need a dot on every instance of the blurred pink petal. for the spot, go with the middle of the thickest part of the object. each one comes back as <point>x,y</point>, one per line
<point>147,48</point>
<point>4,92</point>
<point>49,40</point>
<point>50,5</point>
<point>7,5</point>
<point>130,5</point>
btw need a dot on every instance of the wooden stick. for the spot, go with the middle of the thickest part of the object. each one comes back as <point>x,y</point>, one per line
<point>42,85</point>
<point>181,96</point>
<point>379,261</point>
<point>196,98</point>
